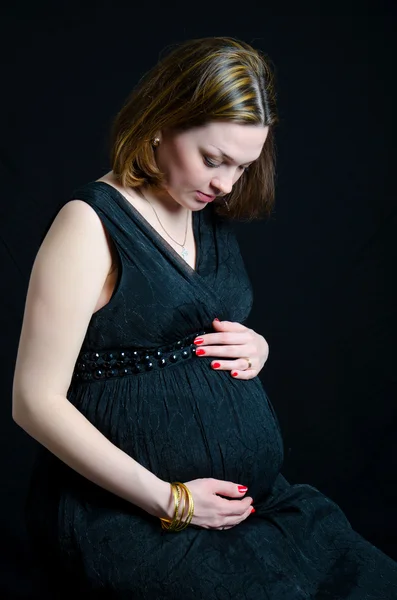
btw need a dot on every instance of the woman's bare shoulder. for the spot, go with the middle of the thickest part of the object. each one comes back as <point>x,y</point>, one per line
<point>68,275</point>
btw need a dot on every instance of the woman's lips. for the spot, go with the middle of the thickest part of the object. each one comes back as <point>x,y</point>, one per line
<point>204,197</point>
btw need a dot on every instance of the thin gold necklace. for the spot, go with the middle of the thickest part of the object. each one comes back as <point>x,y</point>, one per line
<point>184,252</point>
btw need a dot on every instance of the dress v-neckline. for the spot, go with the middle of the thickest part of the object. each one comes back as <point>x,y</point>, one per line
<point>166,246</point>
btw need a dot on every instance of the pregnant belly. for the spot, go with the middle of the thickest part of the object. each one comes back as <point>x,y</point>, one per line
<point>211,425</point>
<point>192,422</point>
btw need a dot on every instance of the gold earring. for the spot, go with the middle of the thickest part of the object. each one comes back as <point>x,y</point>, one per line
<point>156,141</point>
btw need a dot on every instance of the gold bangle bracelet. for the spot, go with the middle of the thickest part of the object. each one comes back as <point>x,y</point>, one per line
<point>179,525</point>
<point>190,510</point>
<point>167,523</point>
<point>180,492</point>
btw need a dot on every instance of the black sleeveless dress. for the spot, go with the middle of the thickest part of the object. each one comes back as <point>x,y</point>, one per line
<point>139,382</point>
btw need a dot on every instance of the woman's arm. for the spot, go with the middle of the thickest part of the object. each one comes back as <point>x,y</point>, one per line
<point>68,275</point>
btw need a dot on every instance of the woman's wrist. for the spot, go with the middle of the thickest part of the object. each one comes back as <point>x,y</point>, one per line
<point>158,498</point>
<point>165,502</point>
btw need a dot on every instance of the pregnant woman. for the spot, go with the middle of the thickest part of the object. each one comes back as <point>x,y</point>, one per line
<point>158,475</point>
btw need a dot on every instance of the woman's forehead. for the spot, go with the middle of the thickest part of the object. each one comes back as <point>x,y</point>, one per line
<point>235,141</point>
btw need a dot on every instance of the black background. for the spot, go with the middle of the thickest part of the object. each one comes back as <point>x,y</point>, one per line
<point>323,266</point>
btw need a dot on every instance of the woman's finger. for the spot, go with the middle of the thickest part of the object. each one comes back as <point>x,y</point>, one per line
<point>240,364</point>
<point>243,517</point>
<point>230,326</point>
<point>235,508</point>
<point>222,338</point>
<point>245,374</point>
<point>227,351</point>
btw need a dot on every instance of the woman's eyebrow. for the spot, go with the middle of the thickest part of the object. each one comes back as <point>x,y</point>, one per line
<point>230,158</point>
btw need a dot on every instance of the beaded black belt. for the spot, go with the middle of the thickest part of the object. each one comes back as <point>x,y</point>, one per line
<point>106,364</point>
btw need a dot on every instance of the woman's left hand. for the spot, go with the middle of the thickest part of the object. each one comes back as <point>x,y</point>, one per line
<point>236,344</point>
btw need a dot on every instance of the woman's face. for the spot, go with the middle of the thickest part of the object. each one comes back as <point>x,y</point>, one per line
<point>208,159</point>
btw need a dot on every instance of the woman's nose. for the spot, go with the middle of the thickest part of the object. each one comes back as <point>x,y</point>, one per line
<point>224,184</point>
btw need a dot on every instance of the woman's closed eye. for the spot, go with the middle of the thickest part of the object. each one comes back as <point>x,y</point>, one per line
<point>210,163</point>
<point>214,165</point>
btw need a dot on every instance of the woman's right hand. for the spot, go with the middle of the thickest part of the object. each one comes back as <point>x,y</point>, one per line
<point>213,512</point>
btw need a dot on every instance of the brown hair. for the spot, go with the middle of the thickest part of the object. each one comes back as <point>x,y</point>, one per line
<point>198,81</point>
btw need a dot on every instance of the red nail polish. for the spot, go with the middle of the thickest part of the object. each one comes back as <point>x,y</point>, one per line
<point>216,319</point>
<point>234,373</point>
<point>198,340</point>
<point>215,365</point>
<point>253,510</point>
<point>242,488</point>
<point>200,352</point>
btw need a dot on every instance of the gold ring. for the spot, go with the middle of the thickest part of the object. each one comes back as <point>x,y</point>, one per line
<point>249,362</point>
